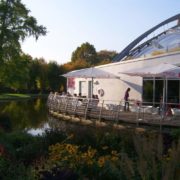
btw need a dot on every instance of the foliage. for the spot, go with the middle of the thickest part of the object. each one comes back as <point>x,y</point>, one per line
<point>29,75</point>
<point>21,147</point>
<point>41,78</point>
<point>14,170</point>
<point>78,64</point>
<point>85,52</point>
<point>105,56</point>
<point>95,155</point>
<point>81,159</point>
<point>16,73</point>
<point>15,25</point>
<point>17,152</point>
<point>5,123</point>
<point>175,134</point>
<point>13,96</point>
<point>53,76</point>
<point>23,74</point>
<point>112,158</point>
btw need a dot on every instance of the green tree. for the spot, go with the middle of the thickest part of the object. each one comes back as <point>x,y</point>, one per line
<point>85,52</point>
<point>33,74</point>
<point>53,74</point>
<point>15,25</point>
<point>38,74</point>
<point>15,74</point>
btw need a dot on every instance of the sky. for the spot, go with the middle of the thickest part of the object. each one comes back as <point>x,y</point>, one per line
<point>106,24</point>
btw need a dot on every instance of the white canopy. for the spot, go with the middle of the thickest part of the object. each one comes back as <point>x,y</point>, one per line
<point>92,72</point>
<point>161,70</point>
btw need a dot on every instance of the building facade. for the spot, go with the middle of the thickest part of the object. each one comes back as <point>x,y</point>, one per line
<point>163,48</point>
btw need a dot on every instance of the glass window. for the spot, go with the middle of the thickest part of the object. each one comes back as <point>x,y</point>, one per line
<point>158,90</point>
<point>173,91</point>
<point>147,90</point>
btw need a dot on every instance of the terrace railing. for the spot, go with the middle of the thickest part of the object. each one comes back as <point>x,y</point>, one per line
<point>104,110</point>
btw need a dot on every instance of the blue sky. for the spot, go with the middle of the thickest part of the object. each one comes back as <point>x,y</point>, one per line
<point>106,24</point>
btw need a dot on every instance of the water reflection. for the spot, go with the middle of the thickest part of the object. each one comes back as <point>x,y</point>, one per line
<point>23,115</point>
<point>38,131</point>
<point>30,116</point>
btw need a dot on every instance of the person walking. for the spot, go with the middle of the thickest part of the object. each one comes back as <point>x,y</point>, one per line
<point>126,99</point>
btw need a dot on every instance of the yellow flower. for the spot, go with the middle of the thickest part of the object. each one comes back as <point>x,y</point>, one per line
<point>91,153</point>
<point>68,147</point>
<point>114,158</point>
<point>84,156</point>
<point>114,153</point>
<point>101,161</point>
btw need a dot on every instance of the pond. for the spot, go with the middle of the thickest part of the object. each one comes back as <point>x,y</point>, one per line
<point>30,115</point>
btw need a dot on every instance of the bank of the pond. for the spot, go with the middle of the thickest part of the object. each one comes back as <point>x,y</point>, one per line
<point>87,153</point>
<point>16,96</point>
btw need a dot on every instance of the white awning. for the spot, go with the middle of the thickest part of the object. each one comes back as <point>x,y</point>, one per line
<point>90,73</point>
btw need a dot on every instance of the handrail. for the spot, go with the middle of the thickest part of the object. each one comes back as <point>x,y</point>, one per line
<point>108,110</point>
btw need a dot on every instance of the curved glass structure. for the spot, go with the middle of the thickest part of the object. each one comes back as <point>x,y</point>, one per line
<point>166,41</point>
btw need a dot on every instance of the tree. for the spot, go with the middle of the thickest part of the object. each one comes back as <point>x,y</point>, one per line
<point>15,73</point>
<point>105,56</point>
<point>78,64</point>
<point>38,75</point>
<point>85,52</point>
<point>15,25</point>
<point>53,75</point>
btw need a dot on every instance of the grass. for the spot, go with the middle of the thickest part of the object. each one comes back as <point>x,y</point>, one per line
<point>9,96</point>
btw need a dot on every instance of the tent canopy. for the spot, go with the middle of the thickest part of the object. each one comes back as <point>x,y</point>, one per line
<point>92,72</point>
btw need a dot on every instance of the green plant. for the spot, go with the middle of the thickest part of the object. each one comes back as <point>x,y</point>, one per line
<point>14,170</point>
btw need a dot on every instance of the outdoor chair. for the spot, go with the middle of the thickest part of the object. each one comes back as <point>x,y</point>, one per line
<point>175,113</point>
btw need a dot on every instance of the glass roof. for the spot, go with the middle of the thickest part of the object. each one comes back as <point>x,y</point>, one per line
<point>167,42</point>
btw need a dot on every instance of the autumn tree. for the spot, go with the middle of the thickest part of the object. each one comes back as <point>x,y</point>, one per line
<point>105,56</point>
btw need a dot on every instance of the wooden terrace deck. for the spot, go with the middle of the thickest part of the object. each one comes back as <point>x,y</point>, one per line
<point>95,110</point>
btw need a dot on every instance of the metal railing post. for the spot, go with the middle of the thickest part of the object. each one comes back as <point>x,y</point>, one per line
<point>117,117</point>
<point>66,104</point>
<point>75,106</point>
<point>100,113</point>
<point>86,110</point>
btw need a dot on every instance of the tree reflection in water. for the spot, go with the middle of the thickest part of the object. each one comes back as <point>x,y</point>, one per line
<point>24,114</point>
